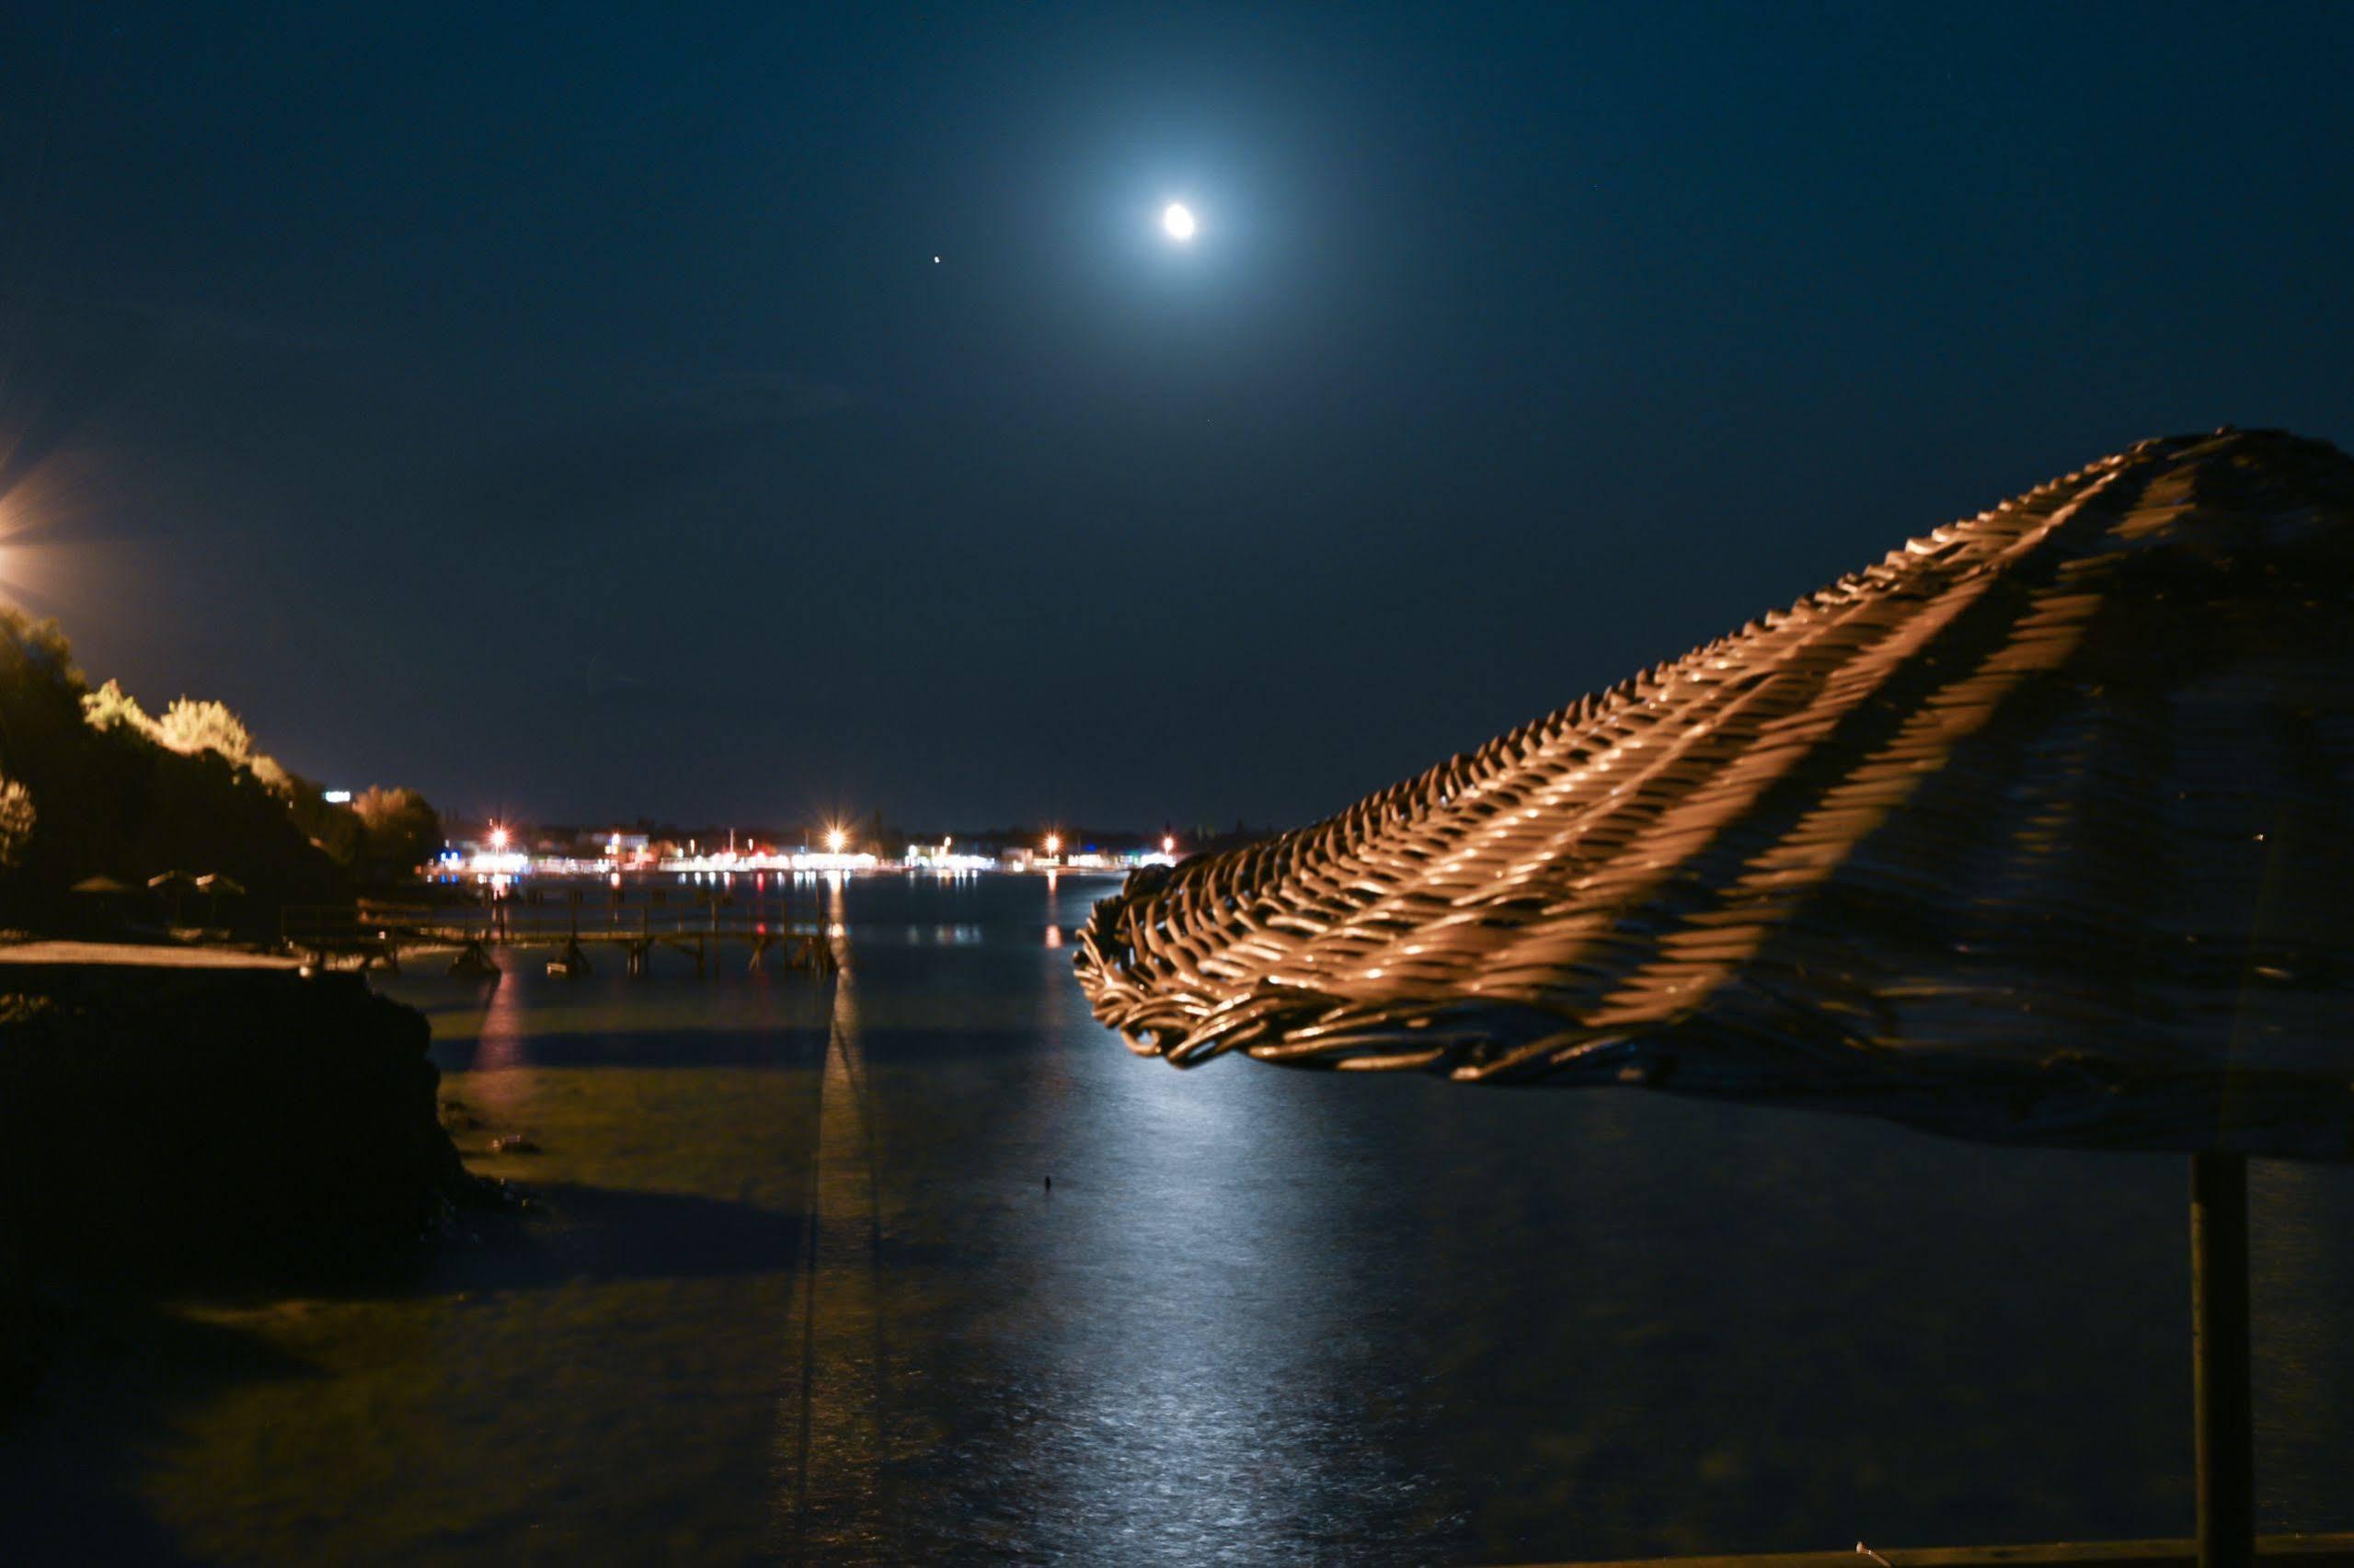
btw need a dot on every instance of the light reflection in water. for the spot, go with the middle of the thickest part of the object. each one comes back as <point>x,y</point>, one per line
<point>500,1051</point>
<point>829,1443</point>
<point>1198,1363</point>
<point>2301,1286</point>
<point>1172,1353</point>
<point>937,935</point>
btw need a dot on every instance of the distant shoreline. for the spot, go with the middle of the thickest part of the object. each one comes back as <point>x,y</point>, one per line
<point>560,867</point>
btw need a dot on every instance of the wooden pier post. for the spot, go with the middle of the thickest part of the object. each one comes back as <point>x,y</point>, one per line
<point>2223,1404</point>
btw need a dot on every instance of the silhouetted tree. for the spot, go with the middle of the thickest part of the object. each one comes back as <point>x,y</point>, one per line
<point>90,784</point>
<point>334,829</point>
<point>397,827</point>
<point>108,790</point>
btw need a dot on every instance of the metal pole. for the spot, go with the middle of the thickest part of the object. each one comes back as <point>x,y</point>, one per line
<point>2220,1332</point>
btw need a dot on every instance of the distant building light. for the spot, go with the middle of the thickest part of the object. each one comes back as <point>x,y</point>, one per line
<point>338,797</point>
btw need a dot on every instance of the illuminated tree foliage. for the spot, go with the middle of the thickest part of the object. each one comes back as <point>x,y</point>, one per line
<point>125,795</point>
<point>15,821</point>
<point>110,707</point>
<point>190,727</point>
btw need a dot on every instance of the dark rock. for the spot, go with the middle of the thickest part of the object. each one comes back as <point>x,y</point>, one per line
<point>208,1124</point>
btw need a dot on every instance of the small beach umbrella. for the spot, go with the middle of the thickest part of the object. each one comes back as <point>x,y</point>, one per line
<point>213,884</point>
<point>101,891</point>
<point>2040,830</point>
<point>174,882</point>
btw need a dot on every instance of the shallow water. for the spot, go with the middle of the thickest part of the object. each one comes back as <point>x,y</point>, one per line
<point>797,1289</point>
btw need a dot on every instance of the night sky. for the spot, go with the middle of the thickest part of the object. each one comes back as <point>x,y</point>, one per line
<point>562,411</point>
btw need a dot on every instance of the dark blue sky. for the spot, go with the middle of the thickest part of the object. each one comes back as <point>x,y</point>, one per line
<point>564,412</point>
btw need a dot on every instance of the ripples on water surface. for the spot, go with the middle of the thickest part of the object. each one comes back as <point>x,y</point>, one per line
<point>798,1289</point>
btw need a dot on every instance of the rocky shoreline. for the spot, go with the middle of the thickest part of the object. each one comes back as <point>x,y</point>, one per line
<point>165,1129</point>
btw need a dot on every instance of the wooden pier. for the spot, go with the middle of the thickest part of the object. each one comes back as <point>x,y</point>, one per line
<point>376,935</point>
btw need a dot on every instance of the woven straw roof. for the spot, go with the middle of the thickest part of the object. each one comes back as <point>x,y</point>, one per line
<point>2036,831</point>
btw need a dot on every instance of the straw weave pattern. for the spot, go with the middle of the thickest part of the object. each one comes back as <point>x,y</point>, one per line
<point>2036,829</point>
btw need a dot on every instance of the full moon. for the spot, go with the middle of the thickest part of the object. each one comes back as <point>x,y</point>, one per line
<point>1178,218</point>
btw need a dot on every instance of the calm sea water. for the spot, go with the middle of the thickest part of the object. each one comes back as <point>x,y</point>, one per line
<point>795,1288</point>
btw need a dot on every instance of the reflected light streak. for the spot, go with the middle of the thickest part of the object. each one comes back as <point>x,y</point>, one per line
<point>496,1080</point>
<point>1218,1391</point>
<point>830,1416</point>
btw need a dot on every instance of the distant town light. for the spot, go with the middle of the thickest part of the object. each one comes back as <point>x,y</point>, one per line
<point>497,838</point>
<point>1054,844</point>
<point>835,839</point>
<point>1168,844</point>
<point>337,797</point>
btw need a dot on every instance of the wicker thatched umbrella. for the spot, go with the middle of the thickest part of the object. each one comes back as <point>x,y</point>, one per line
<point>2040,831</point>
